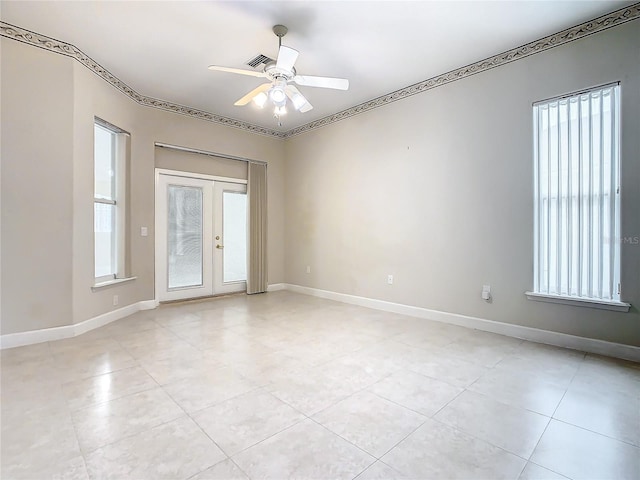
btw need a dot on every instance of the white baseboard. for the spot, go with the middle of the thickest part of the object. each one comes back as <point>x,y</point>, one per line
<point>67,331</point>
<point>584,344</point>
<point>21,339</point>
<point>591,345</point>
<point>148,304</point>
<point>102,320</point>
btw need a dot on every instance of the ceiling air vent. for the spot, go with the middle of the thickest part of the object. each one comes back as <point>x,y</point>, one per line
<point>259,60</point>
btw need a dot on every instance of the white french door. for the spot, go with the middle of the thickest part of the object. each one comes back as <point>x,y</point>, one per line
<point>230,230</point>
<point>201,237</point>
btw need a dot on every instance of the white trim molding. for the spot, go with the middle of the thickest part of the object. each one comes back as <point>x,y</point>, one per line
<point>207,153</point>
<point>109,283</point>
<point>21,339</point>
<point>274,287</point>
<point>200,176</point>
<point>590,345</point>
<point>579,302</point>
<point>599,24</point>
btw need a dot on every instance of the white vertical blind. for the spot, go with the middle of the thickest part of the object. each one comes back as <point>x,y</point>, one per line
<point>257,226</point>
<point>577,201</point>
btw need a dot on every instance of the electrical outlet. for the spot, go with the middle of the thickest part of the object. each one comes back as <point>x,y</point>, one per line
<point>308,269</point>
<point>144,231</point>
<point>115,300</point>
<point>390,279</point>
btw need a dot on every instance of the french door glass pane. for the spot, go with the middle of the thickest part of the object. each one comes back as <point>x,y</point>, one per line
<point>104,219</point>
<point>184,242</point>
<point>234,228</point>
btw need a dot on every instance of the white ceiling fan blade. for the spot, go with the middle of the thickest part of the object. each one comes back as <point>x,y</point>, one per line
<point>322,82</point>
<point>286,58</point>
<point>240,71</point>
<point>299,101</point>
<point>249,96</point>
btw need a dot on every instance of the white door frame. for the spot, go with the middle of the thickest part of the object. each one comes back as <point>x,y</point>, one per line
<point>160,253</point>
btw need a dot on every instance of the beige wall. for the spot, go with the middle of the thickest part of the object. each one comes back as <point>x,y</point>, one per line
<point>37,188</point>
<point>48,105</point>
<point>437,189</point>
<point>172,159</point>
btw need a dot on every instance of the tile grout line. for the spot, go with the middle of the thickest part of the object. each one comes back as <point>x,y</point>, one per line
<point>197,424</point>
<point>230,457</point>
<point>506,404</point>
<point>164,422</point>
<point>61,384</point>
<point>310,417</point>
<point>637,447</point>
<point>137,365</point>
<point>433,417</point>
<point>83,453</point>
<point>403,439</point>
<point>475,436</point>
<point>551,417</point>
<point>348,441</point>
<point>480,439</point>
<point>547,468</point>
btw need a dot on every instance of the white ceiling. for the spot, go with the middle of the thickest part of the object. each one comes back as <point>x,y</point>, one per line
<point>162,48</point>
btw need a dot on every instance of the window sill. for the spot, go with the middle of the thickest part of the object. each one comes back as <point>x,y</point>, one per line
<point>579,302</point>
<point>109,283</point>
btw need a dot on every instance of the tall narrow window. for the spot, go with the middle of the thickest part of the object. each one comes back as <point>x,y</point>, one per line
<point>109,201</point>
<point>577,201</point>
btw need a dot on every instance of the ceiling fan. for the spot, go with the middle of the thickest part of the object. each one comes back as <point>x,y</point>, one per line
<point>281,73</point>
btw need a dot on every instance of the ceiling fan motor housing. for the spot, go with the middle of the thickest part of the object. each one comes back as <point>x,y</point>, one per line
<point>274,73</point>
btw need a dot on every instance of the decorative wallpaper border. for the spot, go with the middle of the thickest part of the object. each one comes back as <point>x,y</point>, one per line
<point>63,48</point>
<point>588,28</point>
<point>574,33</point>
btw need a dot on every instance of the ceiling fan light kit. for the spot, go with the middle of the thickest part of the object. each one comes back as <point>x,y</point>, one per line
<point>276,92</point>
<point>260,99</point>
<point>280,73</point>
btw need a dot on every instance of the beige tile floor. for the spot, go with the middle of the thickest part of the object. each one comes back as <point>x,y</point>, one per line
<point>283,385</point>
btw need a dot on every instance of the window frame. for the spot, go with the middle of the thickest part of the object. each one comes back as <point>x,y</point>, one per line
<point>554,229</point>
<point>118,199</point>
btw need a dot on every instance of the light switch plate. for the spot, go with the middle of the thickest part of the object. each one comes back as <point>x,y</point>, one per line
<point>486,292</point>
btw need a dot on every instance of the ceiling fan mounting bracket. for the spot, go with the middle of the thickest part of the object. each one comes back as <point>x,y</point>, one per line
<point>280,30</point>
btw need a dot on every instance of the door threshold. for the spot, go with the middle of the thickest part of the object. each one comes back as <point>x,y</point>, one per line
<point>202,299</point>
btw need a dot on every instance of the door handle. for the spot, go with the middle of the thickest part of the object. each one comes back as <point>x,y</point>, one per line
<point>220,246</point>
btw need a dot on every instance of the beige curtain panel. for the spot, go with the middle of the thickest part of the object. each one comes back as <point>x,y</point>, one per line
<point>257,200</point>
